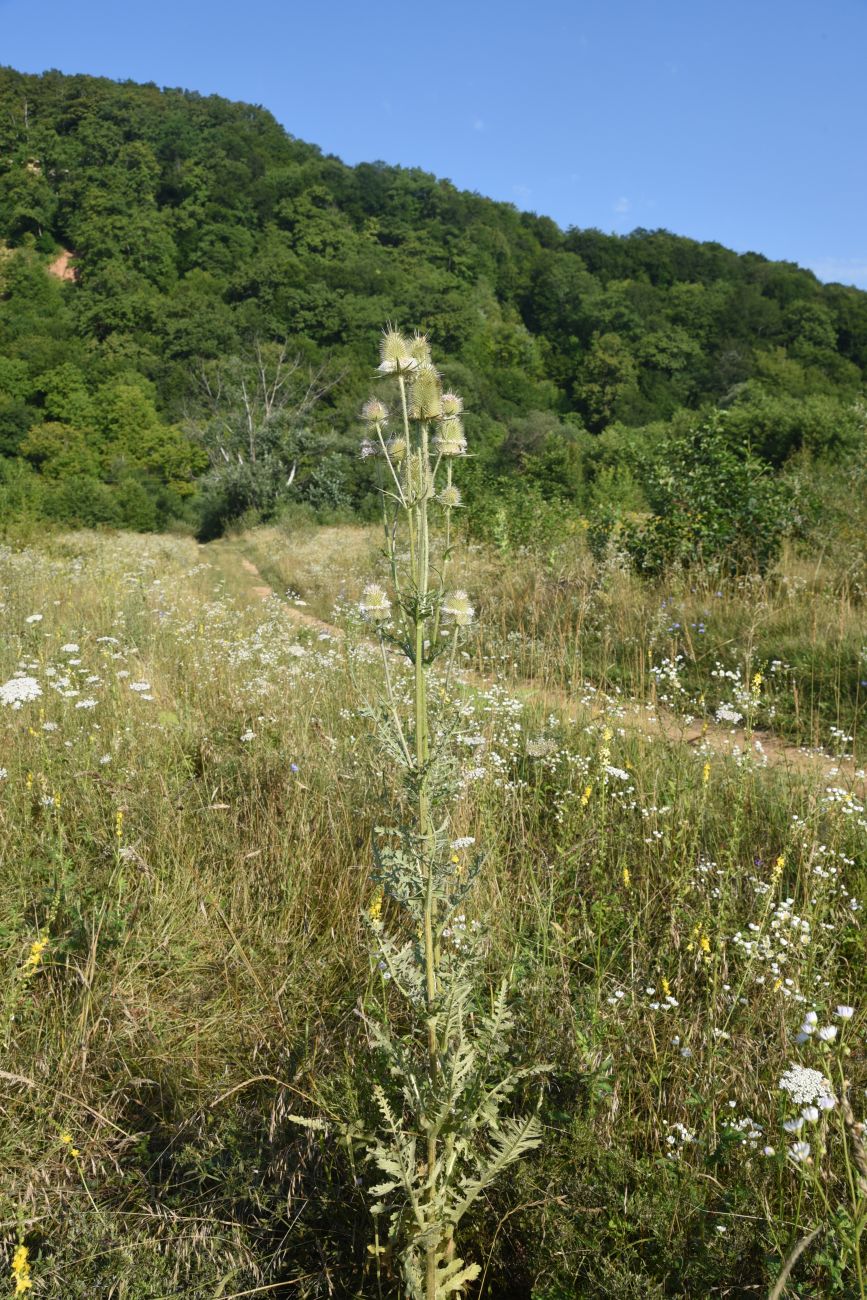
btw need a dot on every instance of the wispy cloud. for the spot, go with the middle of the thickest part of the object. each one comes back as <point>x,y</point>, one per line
<point>521,191</point>
<point>841,270</point>
<point>479,124</point>
<point>621,205</point>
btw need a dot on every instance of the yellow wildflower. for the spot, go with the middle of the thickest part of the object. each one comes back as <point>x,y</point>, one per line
<point>585,798</point>
<point>705,774</point>
<point>778,869</point>
<point>700,940</point>
<point>118,824</point>
<point>34,957</point>
<point>21,1270</point>
<point>626,877</point>
<point>66,1139</point>
<point>666,987</point>
<point>374,910</point>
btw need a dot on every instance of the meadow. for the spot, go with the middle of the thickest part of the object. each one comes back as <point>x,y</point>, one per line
<point>666,780</point>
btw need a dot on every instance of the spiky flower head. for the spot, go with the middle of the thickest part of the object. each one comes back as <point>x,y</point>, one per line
<point>397,448</point>
<point>374,411</point>
<point>419,349</point>
<point>450,497</point>
<point>374,603</point>
<point>450,440</point>
<point>425,397</point>
<point>395,355</point>
<point>458,606</point>
<point>452,404</point>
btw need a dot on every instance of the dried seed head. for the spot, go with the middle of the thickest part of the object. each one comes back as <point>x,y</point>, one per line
<point>425,398</point>
<point>395,355</point>
<point>459,607</point>
<point>374,411</point>
<point>452,404</point>
<point>450,440</point>
<point>374,603</point>
<point>450,497</point>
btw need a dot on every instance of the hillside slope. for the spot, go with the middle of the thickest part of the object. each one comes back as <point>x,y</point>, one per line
<point>198,225</point>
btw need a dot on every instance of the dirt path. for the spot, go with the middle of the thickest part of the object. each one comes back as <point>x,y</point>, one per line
<point>768,749</point>
<point>60,266</point>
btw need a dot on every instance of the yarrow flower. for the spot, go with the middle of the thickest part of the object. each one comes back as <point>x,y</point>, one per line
<point>374,602</point>
<point>20,690</point>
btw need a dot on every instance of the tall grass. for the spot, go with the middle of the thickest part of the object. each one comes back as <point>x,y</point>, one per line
<point>203,967</point>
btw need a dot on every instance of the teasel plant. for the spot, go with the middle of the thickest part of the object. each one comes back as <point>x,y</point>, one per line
<point>444,1086</point>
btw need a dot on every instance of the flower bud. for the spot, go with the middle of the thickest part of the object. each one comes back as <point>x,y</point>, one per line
<point>450,440</point>
<point>374,603</point>
<point>425,398</point>
<point>374,411</point>
<point>450,497</point>
<point>419,349</point>
<point>457,605</point>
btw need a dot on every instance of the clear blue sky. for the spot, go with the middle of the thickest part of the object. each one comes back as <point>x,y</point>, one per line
<point>743,121</point>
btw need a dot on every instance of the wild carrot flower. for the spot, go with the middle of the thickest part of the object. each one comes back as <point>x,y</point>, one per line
<point>19,690</point>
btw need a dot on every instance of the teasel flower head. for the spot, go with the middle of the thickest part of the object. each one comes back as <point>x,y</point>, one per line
<point>374,411</point>
<point>450,497</point>
<point>397,449</point>
<point>425,397</point>
<point>374,603</point>
<point>395,355</point>
<point>450,440</point>
<point>419,349</point>
<point>457,605</point>
<point>452,404</point>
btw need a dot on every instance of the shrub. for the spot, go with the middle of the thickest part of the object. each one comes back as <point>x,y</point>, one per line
<point>711,502</point>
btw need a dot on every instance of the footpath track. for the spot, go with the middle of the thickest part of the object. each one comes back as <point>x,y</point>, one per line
<point>652,720</point>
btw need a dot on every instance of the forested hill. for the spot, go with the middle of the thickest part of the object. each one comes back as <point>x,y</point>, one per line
<point>199,227</point>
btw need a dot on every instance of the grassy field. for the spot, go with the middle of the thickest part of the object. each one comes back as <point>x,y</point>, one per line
<point>186,807</point>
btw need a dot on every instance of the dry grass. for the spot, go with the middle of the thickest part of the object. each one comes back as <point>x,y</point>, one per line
<point>203,970</point>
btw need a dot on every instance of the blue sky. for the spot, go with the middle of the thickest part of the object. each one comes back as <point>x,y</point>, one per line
<point>743,121</point>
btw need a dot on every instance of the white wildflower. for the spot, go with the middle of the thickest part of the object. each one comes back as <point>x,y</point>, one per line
<point>20,690</point>
<point>805,1086</point>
